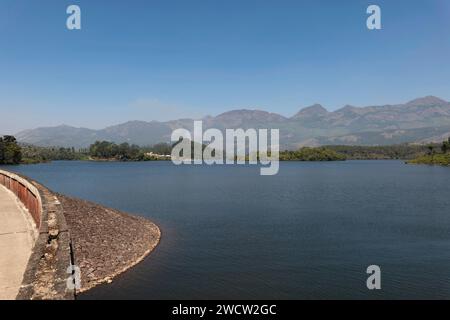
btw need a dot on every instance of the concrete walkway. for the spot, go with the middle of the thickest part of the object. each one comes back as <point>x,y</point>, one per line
<point>16,242</point>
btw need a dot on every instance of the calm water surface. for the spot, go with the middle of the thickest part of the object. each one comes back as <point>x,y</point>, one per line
<point>309,232</point>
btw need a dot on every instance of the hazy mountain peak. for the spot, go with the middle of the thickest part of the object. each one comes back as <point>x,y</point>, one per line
<point>427,101</point>
<point>252,114</point>
<point>348,108</point>
<point>243,111</point>
<point>314,110</point>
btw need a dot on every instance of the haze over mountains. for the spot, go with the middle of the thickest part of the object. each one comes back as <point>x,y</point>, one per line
<point>421,120</point>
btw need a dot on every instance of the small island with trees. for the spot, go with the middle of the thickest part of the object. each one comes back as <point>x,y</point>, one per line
<point>435,156</point>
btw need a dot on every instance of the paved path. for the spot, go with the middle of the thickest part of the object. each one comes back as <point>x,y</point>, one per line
<point>16,243</point>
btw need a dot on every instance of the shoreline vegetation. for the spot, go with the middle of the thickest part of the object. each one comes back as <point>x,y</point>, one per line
<point>100,151</point>
<point>11,152</point>
<point>312,154</point>
<point>435,156</point>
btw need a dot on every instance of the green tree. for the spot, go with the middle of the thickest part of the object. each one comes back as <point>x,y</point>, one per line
<point>445,146</point>
<point>2,151</point>
<point>10,151</point>
<point>161,148</point>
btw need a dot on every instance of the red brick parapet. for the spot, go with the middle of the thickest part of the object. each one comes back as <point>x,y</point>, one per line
<point>26,192</point>
<point>46,273</point>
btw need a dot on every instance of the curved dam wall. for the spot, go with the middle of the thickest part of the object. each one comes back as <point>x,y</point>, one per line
<point>47,270</point>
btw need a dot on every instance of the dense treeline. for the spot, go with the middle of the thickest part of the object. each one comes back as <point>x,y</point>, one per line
<point>10,151</point>
<point>126,152</point>
<point>110,150</point>
<point>33,154</point>
<point>393,152</point>
<point>311,154</point>
<point>13,153</point>
<point>403,152</point>
<point>100,150</point>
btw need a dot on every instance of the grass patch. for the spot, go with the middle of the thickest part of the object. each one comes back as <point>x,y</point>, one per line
<point>439,159</point>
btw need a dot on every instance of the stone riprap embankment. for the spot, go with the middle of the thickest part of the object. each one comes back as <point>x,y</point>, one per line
<point>102,242</point>
<point>106,242</point>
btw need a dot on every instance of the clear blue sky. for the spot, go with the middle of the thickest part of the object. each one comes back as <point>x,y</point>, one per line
<point>159,60</point>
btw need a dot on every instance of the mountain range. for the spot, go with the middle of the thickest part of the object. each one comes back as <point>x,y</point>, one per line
<point>422,120</point>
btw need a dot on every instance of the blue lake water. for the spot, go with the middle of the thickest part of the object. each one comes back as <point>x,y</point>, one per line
<point>309,232</point>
